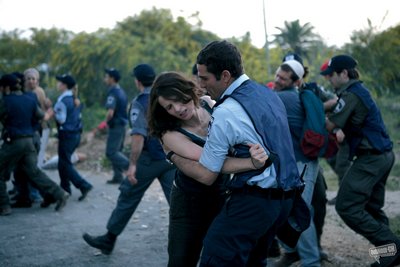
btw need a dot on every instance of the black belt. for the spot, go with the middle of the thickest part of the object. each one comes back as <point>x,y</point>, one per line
<point>365,152</point>
<point>270,193</point>
<point>21,137</point>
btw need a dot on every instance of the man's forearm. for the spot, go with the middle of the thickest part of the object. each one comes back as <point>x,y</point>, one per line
<point>137,142</point>
<point>329,125</point>
<point>194,170</point>
<point>236,165</point>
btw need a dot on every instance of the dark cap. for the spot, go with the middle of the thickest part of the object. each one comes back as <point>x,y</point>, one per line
<point>339,63</point>
<point>293,56</point>
<point>20,77</point>
<point>67,80</point>
<point>9,80</point>
<point>113,73</point>
<point>144,73</point>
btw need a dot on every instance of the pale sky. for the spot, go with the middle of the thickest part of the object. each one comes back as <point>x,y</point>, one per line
<point>333,20</point>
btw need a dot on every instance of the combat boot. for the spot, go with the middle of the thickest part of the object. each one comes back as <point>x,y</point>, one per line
<point>102,242</point>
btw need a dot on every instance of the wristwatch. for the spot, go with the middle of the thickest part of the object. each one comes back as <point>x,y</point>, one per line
<point>169,155</point>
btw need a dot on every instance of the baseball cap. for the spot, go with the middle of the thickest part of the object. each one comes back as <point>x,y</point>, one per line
<point>8,80</point>
<point>324,65</point>
<point>67,80</point>
<point>113,73</point>
<point>293,56</point>
<point>339,63</point>
<point>144,73</point>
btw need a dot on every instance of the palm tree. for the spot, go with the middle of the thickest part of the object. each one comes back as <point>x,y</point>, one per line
<point>296,38</point>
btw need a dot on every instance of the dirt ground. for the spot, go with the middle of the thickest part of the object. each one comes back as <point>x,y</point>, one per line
<point>42,237</point>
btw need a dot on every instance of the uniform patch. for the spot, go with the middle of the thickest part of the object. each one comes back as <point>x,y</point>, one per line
<point>134,115</point>
<point>339,106</point>
<point>110,100</point>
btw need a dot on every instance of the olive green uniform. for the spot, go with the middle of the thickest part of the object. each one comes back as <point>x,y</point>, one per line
<point>361,193</point>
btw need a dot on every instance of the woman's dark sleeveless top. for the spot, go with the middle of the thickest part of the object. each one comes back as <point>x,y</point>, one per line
<point>187,183</point>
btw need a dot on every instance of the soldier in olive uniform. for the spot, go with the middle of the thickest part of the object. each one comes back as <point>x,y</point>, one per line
<point>361,194</point>
<point>18,112</point>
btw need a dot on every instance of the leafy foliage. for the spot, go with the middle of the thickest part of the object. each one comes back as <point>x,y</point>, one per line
<point>156,37</point>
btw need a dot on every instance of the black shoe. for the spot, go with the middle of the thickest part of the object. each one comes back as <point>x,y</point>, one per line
<point>84,192</point>
<point>332,202</point>
<point>274,250</point>
<point>21,204</point>
<point>14,197</point>
<point>60,203</point>
<point>102,242</point>
<point>114,181</point>
<point>287,259</point>
<point>323,256</point>
<point>47,201</point>
<point>4,211</point>
<point>389,261</point>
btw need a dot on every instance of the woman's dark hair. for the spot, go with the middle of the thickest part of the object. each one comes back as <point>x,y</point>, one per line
<point>172,86</point>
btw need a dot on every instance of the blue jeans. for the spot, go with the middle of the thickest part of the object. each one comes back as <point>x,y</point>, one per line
<point>67,143</point>
<point>307,246</point>
<point>114,146</point>
<point>130,195</point>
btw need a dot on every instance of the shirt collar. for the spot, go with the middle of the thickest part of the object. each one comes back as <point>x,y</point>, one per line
<point>345,86</point>
<point>66,93</point>
<point>236,83</point>
<point>147,90</point>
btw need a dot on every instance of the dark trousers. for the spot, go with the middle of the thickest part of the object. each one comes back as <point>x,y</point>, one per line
<point>114,147</point>
<point>67,143</point>
<point>242,222</point>
<point>22,152</point>
<point>340,163</point>
<point>130,195</point>
<point>361,197</point>
<point>190,216</point>
<point>25,189</point>
<point>318,203</point>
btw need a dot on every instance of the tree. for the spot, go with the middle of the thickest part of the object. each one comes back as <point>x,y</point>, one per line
<point>296,38</point>
<point>374,52</point>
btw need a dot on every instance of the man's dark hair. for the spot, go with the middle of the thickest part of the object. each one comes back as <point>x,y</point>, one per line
<point>287,68</point>
<point>218,56</point>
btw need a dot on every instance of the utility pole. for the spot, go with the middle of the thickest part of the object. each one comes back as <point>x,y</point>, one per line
<point>266,43</point>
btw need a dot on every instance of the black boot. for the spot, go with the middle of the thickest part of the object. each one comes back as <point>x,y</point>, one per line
<point>103,242</point>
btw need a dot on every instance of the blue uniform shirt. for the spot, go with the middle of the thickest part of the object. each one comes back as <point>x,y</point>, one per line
<point>117,100</point>
<point>230,125</point>
<point>137,116</point>
<point>138,123</point>
<point>60,108</point>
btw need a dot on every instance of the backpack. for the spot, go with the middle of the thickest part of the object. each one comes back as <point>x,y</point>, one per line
<point>315,140</point>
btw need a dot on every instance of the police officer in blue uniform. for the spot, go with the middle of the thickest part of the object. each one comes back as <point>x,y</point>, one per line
<point>245,113</point>
<point>69,128</point>
<point>19,112</point>
<point>147,163</point>
<point>117,119</point>
<point>361,194</point>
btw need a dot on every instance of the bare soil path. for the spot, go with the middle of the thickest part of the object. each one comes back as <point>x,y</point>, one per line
<point>42,237</point>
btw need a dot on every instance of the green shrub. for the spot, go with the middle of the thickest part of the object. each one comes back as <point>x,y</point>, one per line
<point>92,116</point>
<point>395,225</point>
